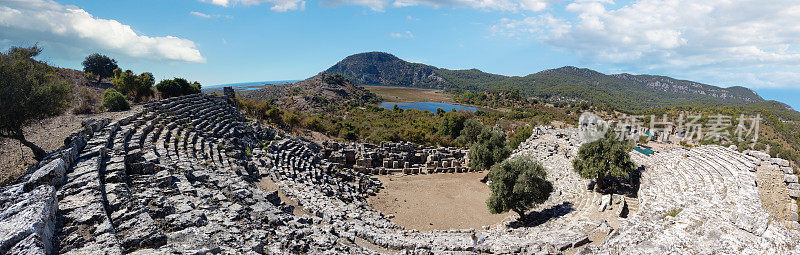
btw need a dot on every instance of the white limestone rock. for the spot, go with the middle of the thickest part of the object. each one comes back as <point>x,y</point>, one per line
<point>790,178</point>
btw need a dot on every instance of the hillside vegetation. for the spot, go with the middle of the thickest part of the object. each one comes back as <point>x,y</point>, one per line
<point>622,91</point>
<point>321,93</point>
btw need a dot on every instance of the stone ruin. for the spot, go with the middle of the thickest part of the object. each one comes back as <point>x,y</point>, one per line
<point>182,176</point>
<point>396,158</point>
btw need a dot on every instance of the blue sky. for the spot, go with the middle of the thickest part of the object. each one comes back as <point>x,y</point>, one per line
<point>724,43</point>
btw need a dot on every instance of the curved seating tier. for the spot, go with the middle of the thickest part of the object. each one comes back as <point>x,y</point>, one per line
<point>175,177</point>
<point>699,201</point>
<point>180,176</point>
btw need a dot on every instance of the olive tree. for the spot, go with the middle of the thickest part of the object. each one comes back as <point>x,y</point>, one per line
<point>490,148</point>
<point>606,157</point>
<point>517,184</point>
<point>29,90</point>
<point>101,66</point>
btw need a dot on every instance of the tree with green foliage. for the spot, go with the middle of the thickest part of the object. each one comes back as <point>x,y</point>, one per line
<point>177,87</point>
<point>100,65</point>
<point>517,184</point>
<point>452,124</point>
<point>469,134</point>
<point>606,157</point>
<point>489,149</point>
<point>138,86</point>
<point>114,101</point>
<point>29,90</point>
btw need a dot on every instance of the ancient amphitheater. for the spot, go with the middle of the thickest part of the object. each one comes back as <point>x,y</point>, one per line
<point>180,177</point>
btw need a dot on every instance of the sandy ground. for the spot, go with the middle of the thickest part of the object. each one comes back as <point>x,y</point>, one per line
<point>48,134</point>
<point>404,95</point>
<point>436,201</point>
<point>774,195</point>
<point>268,185</point>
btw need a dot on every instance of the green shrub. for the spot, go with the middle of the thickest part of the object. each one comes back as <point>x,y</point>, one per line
<point>522,134</point>
<point>673,212</point>
<point>643,139</point>
<point>517,184</point>
<point>115,101</point>
<point>87,103</point>
<point>177,87</point>
<point>138,86</point>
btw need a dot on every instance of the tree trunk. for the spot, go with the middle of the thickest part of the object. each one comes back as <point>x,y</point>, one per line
<point>521,215</point>
<point>38,153</point>
<point>598,186</point>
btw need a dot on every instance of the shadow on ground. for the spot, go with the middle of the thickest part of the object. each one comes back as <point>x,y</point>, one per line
<point>534,219</point>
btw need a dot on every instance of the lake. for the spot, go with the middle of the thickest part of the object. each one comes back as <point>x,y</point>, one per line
<point>244,86</point>
<point>430,106</point>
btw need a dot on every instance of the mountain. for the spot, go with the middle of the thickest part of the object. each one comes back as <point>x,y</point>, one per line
<point>624,91</point>
<point>378,68</point>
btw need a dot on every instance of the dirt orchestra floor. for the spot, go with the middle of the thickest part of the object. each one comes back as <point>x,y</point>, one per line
<point>436,201</point>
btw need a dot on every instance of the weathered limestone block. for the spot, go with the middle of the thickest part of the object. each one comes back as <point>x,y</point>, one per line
<point>787,170</point>
<point>141,232</point>
<point>790,178</point>
<point>794,193</point>
<point>27,225</point>
<point>753,222</point>
<point>51,174</point>
<point>605,202</point>
<point>780,162</point>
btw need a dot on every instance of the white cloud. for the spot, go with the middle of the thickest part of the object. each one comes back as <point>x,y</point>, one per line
<point>500,5</point>
<point>209,16</point>
<point>200,14</point>
<point>714,38</point>
<point>46,21</point>
<point>278,5</point>
<point>406,34</point>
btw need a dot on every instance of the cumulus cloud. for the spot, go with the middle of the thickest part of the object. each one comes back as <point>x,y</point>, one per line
<point>500,5</point>
<point>729,38</point>
<point>406,34</point>
<point>46,21</point>
<point>277,5</point>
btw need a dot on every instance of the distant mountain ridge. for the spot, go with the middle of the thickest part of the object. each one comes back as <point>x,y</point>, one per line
<point>624,91</point>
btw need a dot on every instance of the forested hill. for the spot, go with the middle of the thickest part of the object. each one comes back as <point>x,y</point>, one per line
<point>624,91</point>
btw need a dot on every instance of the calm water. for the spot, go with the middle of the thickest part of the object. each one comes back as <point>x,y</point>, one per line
<point>430,106</point>
<point>243,86</point>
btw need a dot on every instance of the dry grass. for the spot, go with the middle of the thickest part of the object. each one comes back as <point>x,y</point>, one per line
<point>49,134</point>
<point>405,95</point>
<point>773,193</point>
